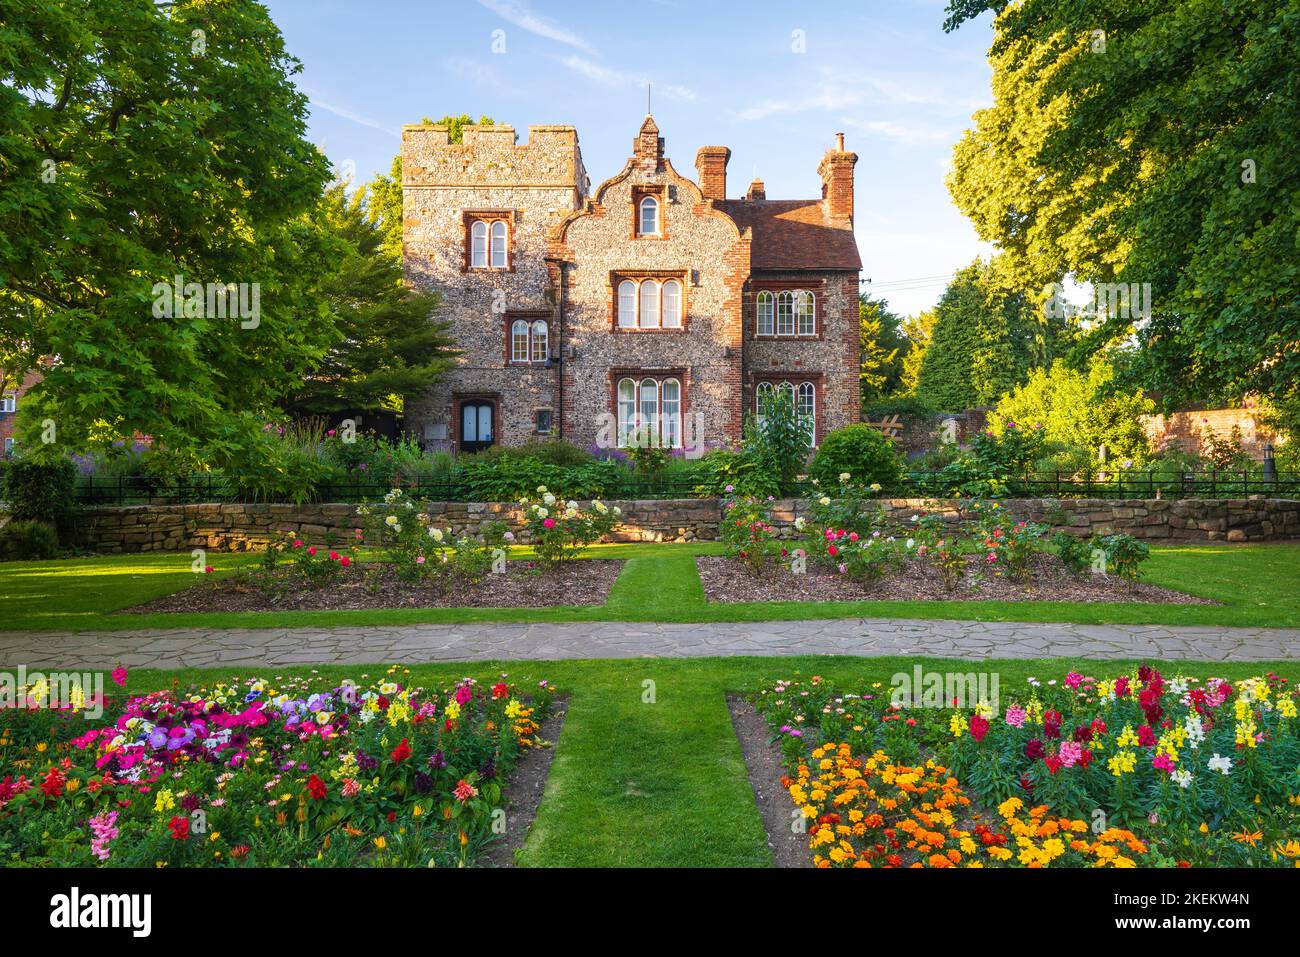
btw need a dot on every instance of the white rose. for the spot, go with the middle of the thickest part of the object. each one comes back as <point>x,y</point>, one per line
<point>391,521</point>
<point>435,534</point>
<point>541,512</point>
<point>548,498</point>
<point>844,476</point>
<point>541,489</point>
<point>799,523</point>
<point>617,510</point>
<point>824,500</point>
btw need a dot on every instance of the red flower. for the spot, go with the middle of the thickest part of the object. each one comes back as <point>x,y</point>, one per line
<point>317,788</point>
<point>334,556</point>
<point>1146,737</point>
<point>499,690</point>
<point>1034,749</point>
<point>1053,763</point>
<point>832,550</point>
<point>345,561</point>
<point>979,726</point>
<point>402,751</point>
<point>180,828</point>
<point>52,785</point>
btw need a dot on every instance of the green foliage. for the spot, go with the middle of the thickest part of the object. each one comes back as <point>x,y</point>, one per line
<point>41,491</point>
<point>1081,409</point>
<point>421,552</point>
<point>986,338</point>
<point>860,451</point>
<point>991,466</point>
<point>131,159</point>
<point>747,531</point>
<point>778,441</point>
<point>387,343</point>
<point>1124,554</point>
<point>22,541</point>
<point>1074,552</point>
<point>560,529</point>
<point>1151,143</point>
<point>882,348</point>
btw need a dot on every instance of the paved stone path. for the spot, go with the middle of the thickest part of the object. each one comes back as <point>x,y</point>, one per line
<point>273,647</point>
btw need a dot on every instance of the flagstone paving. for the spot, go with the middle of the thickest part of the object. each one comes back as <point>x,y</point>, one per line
<point>257,647</point>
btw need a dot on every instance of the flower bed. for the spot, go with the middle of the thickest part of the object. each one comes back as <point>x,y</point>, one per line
<point>1133,771</point>
<point>845,534</point>
<point>265,773</point>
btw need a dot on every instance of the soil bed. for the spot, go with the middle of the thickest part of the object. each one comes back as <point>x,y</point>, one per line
<point>585,582</point>
<point>763,762</point>
<point>523,791</point>
<point>730,580</point>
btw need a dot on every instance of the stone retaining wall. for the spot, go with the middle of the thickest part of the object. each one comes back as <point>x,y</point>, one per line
<point>143,528</point>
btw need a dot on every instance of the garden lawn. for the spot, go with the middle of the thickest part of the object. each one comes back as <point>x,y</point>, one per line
<point>1259,586</point>
<point>648,771</point>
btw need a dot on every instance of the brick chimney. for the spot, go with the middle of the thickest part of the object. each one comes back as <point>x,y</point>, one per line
<point>648,147</point>
<point>711,164</point>
<point>756,190</point>
<point>836,171</point>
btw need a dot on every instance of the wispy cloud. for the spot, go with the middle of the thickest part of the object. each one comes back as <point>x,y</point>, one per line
<point>352,115</point>
<point>618,78</point>
<point>904,132</point>
<point>517,13</point>
<point>842,90</point>
<point>478,73</point>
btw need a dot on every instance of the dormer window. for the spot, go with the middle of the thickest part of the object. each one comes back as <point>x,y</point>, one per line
<point>649,217</point>
<point>488,241</point>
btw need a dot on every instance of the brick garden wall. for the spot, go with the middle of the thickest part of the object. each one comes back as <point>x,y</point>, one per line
<point>142,528</point>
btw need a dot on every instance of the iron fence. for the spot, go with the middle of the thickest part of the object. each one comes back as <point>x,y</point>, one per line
<point>181,490</point>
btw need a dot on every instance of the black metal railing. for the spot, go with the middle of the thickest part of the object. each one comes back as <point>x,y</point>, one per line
<point>214,487</point>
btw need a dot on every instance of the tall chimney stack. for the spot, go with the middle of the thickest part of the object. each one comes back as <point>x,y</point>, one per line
<point>836,171</point>
<point>711,164</point>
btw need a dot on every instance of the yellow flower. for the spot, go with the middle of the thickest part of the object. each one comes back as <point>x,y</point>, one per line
<point>381,842</point>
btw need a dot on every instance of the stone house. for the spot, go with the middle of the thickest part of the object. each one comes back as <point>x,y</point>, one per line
<point>654,310</point>
<point>11,396</point>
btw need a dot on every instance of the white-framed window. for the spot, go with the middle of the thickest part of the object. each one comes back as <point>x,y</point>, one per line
<point>649,318</point>
<point>802,396</point>
<point>9,446</point>
<point>672,304</point>
<point>785,313</point>
<point>648,221</point>
<point>627,304</point>
<point>541,340</point>
<point>650,410</point>
<point>529,341</point>
<point>489,244</point>
<point>8,402</point>
<point>478,239</point>
<point>499,245</point>
<point>649,304</point>
<point>805,313</point>
<point>790,312</point>
<point>766,314</point>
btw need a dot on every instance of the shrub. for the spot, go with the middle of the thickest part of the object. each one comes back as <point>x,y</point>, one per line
<point>41,491</point>
<point>1074,552</point>
<point>862,452</point>
<point>28,541</point>
<point>1081,409</point>
<point>420,552</point>
<point>1124,554</point>
<point>560,530</point>
<point>726,473</point>
<point>778,441</point>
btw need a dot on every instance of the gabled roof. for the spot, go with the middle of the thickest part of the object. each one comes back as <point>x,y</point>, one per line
<point>794,234</point>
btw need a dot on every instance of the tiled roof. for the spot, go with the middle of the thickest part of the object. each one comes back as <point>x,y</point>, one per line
<point>794,234</point>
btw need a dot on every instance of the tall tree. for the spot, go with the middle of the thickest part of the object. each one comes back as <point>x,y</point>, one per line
<point>1151,143</point>
<point>918,330</point>
<point>982,345</point>
<point>388,344</point>
<point>882,346</point>
<point>384,204</point>
<point>138,144</point>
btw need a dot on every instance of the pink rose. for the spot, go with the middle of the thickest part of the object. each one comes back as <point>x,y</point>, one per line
<point>549,523</point>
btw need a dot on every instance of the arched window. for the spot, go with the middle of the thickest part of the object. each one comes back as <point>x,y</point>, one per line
<point>804,306</point>
<point>671,430</point>
<point>649,304</point>
<point>766,313</point>
<point>648,419</point>
<point>519,341</point>
<point>672,311</point>
<point>499,245</point>
<point>626,410</point>
<point>806,406</point>
<point>762,394</point>
<point>785,392</point>
<point>785,313</point>
<point>627,304</point>
<point>649,225</point>
<point>540,341</point>
<point>479,245</point>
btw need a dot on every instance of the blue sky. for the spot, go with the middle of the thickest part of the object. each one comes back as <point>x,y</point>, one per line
<point>723,72</point>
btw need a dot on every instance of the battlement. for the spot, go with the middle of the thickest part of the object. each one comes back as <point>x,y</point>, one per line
<point>489,156</point>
